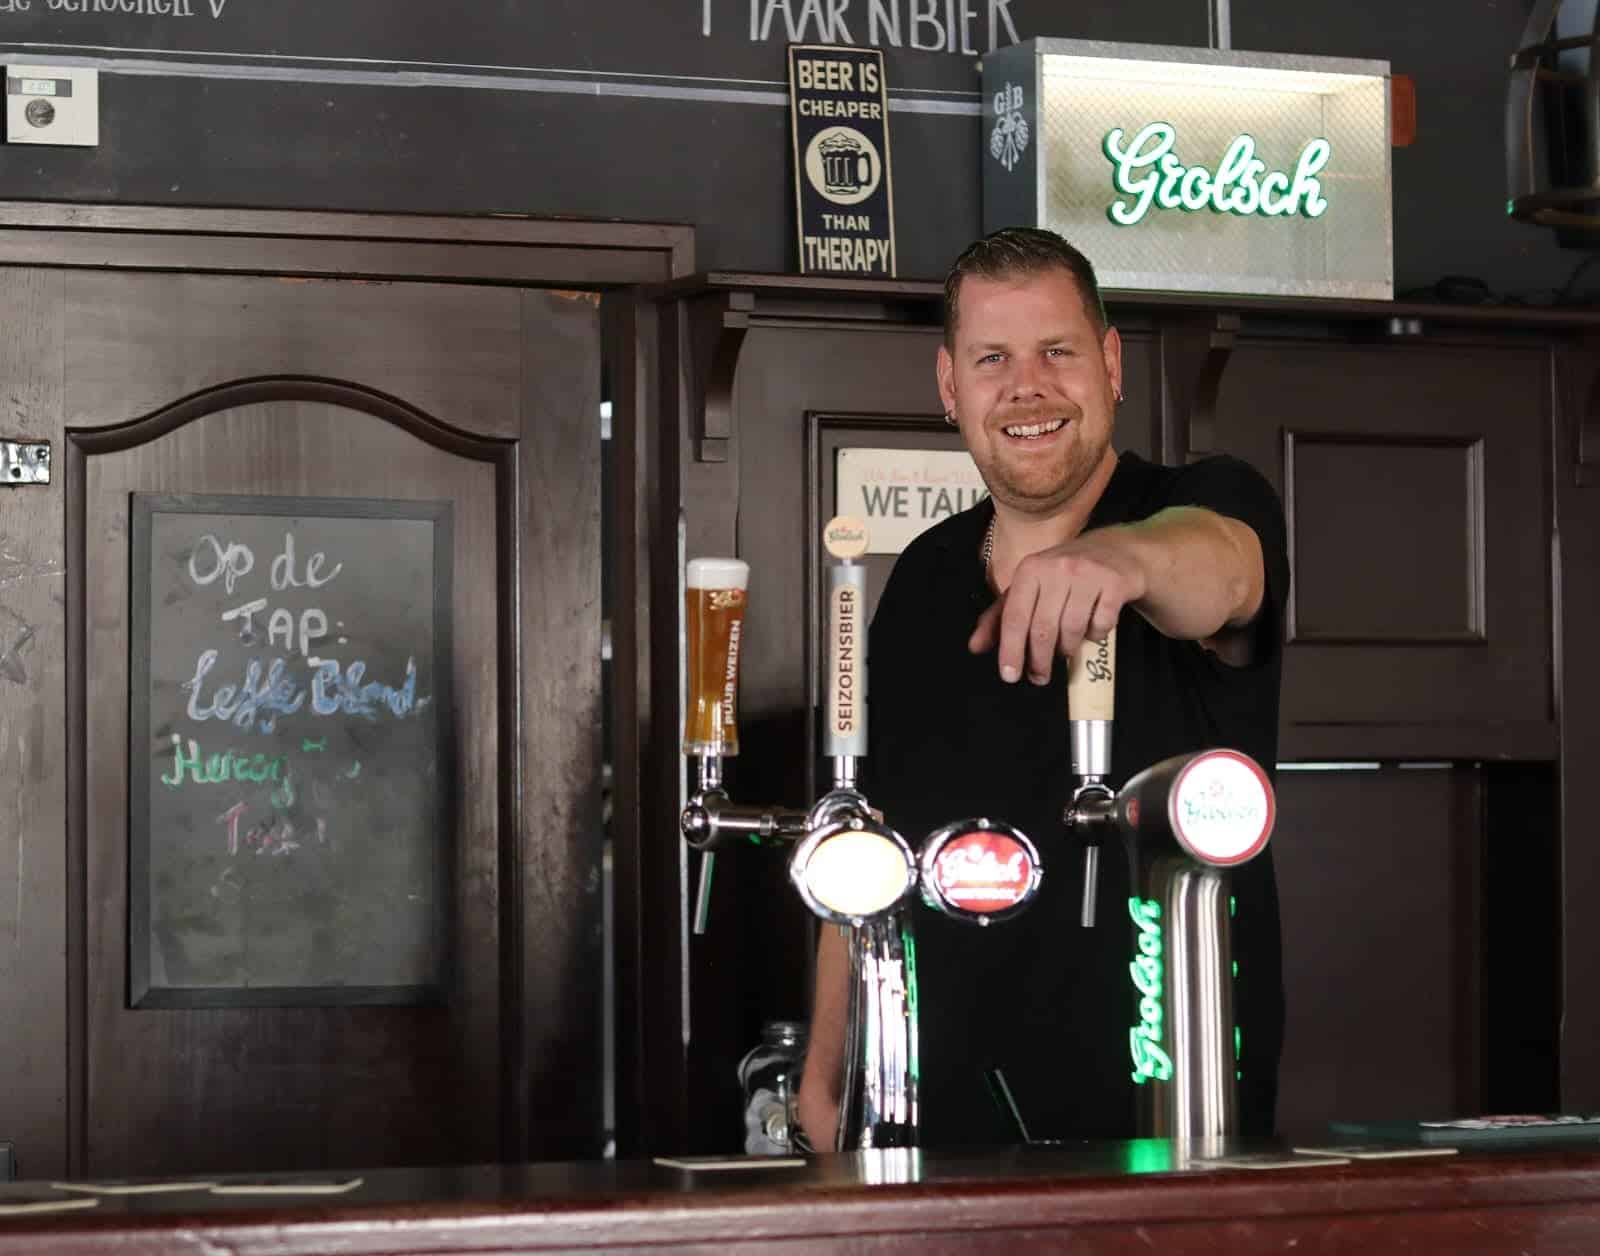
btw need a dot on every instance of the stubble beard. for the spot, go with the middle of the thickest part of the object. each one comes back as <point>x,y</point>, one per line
<point>1047,489</point>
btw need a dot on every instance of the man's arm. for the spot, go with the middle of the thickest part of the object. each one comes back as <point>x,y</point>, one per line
<point>1193,573</point>
<point>818,1100</point>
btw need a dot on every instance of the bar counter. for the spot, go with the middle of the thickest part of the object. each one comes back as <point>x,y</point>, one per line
<point>1096,1198</point>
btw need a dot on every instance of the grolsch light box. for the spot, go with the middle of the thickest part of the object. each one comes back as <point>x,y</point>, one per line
<point>1196,170</point>
<point>839,133</point>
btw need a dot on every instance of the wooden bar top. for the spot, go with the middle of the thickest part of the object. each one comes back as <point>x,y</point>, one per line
<point>1142,1196</point>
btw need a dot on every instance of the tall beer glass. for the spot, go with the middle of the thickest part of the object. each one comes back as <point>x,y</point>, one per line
<point>714,600</point>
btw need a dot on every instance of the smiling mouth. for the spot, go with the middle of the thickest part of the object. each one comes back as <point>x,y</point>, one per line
<point>1033,431</point>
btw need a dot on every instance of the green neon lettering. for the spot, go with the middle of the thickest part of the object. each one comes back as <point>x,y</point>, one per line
<point>1147,169</point>
<point>1150,1060</point>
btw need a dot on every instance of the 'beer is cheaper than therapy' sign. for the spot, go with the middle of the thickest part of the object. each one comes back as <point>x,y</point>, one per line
<point>844,198</point>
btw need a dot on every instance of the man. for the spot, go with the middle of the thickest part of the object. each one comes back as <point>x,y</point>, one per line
<point>968,705</point>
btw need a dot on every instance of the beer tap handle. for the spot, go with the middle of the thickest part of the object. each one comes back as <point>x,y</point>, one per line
<point>844,735</point>
<point>715,592</point>
<point>1091,708</point>
<point>714,597</point>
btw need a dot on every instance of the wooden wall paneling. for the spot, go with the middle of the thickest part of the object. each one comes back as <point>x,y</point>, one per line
<point>1409,542</point>
<point>1522,937</point>
<point>555,918</point>
<point>1194,351</point>
<point>35,933</point>
<point>65,924</point>
<point>1578,602</point>
<point>643,837</point>
<point>1382,418</point>
<point>450,355</point>
<point>1379,877</point>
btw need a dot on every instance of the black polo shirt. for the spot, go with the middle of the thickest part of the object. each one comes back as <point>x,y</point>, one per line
<point>1044,1000</point>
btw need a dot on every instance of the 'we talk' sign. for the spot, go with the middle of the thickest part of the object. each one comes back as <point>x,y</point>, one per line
<point>901,493</point>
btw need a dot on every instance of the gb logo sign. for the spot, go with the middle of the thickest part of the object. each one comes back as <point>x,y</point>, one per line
<point>1009,138</point>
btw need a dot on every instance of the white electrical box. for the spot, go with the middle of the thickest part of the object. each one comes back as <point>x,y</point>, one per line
<point>52,105</point>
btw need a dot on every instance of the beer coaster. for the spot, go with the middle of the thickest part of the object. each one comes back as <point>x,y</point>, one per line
<point>128,1186</point>
<point>287,1186</point>
<point>697,1164</point>
<point>1375,1151</point>
<point>1268,1160</point>
<point>17,1203</point>
<point>845,537</point>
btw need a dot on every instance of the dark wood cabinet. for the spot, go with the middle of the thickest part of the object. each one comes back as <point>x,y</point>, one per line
<point>1416,483</point>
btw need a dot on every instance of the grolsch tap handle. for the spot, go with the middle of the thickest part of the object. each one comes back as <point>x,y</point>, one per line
<point>1091,709</point>
<point>844,733</point>
<point>715,593</point>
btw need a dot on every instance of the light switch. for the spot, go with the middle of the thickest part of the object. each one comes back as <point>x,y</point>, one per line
<point>52,105</point>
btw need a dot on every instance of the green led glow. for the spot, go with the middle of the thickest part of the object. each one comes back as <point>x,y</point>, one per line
<point>1147,169</point>
<point>914,1066</point>
<point>1148,1155</point>
<point>1238,1039</point>
<point>1233,906</point>
<point>1236,970</point>
<point>1150,1061</point>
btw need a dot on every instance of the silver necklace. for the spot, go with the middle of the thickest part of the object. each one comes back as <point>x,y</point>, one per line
<point>988,546</point>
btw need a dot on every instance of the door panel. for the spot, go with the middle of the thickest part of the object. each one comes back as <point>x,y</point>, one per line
<point>286,1073</point>
<point>484,397</point>
<point>449,351</point>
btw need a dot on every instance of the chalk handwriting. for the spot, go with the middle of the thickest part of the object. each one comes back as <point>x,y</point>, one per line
<point>257,701</point>
<point>333,693</point>
<point>283,569</point>
<point>219,769</point>
<point>232,562</point>
<point>254,704</point>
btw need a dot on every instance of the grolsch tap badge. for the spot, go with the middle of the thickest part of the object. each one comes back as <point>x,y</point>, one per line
<point>845,537</point>
<point>979,870</point>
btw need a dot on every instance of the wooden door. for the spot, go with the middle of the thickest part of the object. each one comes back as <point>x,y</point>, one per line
<point>480,400</point>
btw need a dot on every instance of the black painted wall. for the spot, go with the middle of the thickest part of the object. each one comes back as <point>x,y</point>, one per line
<point>630,109</point>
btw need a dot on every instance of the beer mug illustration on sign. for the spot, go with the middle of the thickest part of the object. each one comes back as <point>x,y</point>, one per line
<point>843,165</point>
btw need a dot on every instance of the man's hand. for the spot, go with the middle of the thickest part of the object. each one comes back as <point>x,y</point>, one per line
<point>1057,598</point>
<point>1194,574</point>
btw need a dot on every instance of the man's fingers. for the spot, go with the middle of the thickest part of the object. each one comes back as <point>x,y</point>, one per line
<point>1106,613</point>
<point>1044,630</point>
<point>1015,622</point>
<point>1074,624</point>
<point>987,629</point>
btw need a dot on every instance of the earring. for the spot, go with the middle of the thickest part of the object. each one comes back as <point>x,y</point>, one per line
<point>950,418</point>
<point>1119,396</point>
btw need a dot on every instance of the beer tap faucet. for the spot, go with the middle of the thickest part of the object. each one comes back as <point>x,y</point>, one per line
<point>1091,705</point>
<point>850,868</point>
<point>715,595</point>
<point>1183,823</point>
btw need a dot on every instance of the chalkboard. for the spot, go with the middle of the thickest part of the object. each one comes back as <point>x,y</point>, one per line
<point>290,742</point>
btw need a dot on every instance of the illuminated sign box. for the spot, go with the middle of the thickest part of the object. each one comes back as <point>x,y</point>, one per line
<point>1194,170</point>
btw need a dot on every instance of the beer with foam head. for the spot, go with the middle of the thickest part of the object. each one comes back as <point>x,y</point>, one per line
<point>714,600</point>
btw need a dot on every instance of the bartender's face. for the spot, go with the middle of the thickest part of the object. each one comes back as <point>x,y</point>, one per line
<point>1032,383</point>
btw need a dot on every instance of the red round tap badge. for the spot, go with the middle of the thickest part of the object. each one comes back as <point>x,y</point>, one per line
<point>983,871</point>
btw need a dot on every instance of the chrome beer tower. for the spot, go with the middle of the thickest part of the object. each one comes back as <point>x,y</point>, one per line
<point>853,871</point>
<point>1183,823</point>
